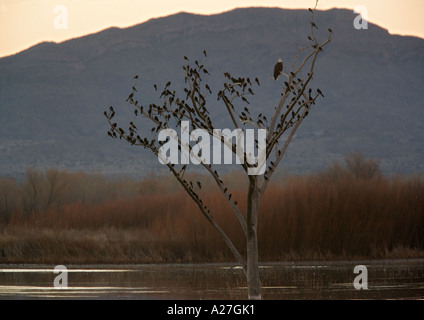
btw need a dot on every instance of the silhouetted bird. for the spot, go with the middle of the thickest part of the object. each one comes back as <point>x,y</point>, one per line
<point>278,68</point>
<point>182,171</point>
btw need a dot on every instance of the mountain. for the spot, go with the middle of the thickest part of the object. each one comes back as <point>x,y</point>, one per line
<point>52,96</point>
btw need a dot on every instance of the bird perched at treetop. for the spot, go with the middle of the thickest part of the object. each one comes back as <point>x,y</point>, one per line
<point>278,69</point>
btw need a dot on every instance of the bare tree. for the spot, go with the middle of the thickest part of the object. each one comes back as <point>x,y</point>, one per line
<point>32,191</point>
<point>173,110</point>
<point>361,167</point>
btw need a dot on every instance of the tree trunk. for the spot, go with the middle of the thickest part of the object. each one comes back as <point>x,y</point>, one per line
<point>253,279</point>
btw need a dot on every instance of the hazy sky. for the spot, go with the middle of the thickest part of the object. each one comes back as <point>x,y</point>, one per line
<point>24,23</point>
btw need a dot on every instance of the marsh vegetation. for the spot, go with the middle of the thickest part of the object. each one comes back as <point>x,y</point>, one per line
<point>344,212</point>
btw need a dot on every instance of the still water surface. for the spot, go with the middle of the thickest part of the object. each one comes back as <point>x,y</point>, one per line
<point>387,279</point>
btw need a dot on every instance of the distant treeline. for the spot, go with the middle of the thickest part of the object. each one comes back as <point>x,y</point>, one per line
<point>346,211</point>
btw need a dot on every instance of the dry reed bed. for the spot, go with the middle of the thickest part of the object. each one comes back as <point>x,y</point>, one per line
<point>303,217</point>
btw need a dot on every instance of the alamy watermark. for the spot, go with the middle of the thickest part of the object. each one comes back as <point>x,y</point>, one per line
<point>61,281</point>
<point>361,280</point>
<point>60,20</point>
<point>177,150</point>
<point>361,20</point>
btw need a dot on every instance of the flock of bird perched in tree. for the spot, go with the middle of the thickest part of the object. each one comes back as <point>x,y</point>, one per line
<point>191,106</point>
<point>175,108</point>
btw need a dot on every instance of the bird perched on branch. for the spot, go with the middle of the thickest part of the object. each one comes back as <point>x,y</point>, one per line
<point>278,69</point>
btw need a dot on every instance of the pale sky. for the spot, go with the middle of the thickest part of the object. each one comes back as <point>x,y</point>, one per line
<point>24,23</point>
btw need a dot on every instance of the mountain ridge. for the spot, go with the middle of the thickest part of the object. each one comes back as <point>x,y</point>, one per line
<point>371,81</point>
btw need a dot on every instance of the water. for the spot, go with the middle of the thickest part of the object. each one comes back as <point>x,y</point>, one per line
<point>387,279</point>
